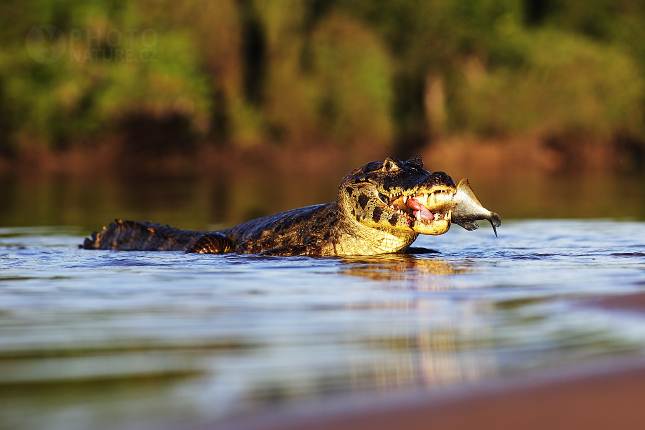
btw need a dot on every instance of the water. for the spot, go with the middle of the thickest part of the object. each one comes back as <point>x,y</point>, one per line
<point>94,339</point>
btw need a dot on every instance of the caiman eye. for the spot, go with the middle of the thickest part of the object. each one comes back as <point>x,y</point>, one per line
<point>389,165</point>
<point>383,198</point>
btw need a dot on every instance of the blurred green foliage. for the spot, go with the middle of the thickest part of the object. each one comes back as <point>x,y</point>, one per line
<point>288,72</point>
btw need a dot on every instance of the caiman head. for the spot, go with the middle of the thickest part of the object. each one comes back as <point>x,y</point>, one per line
<point>405,199</point>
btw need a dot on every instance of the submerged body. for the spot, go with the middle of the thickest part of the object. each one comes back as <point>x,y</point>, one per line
<point>381,208</point>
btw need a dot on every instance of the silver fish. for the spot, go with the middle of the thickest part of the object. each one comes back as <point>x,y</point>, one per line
<point>467,209</point>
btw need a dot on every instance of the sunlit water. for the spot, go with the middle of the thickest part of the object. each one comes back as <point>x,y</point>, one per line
<point>97,339</point>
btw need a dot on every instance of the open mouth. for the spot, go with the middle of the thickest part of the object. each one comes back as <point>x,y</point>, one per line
<point>424,208</point>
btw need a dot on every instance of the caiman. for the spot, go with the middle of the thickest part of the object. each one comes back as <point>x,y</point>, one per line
<point>381,208</point>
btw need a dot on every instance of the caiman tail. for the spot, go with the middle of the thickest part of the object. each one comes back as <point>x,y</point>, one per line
<point>141,236</point>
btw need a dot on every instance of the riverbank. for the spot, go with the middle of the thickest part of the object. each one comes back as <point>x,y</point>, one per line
<point>521,155</point>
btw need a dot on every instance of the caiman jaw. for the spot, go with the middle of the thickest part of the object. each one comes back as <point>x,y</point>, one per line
<point>426,211</point>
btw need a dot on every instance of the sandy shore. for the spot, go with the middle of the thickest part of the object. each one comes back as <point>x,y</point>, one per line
<point>603,395</point>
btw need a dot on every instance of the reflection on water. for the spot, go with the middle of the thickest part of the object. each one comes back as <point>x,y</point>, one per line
<point>405,270</point>
<point>225,199</point>
<point>135,339</point>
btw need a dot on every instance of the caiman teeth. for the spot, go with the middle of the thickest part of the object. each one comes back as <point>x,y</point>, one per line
<point>436,200</point>
<point>420,206</point>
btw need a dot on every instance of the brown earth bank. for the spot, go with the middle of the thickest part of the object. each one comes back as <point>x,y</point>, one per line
<point>459,156</point>
<point>202,161</point>
<point>605,395</point>
<point>535,155</point>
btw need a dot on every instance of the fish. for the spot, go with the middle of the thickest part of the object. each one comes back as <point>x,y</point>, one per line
<point>468,209</point>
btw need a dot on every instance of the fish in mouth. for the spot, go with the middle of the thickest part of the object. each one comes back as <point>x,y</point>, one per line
<point>433,212</point>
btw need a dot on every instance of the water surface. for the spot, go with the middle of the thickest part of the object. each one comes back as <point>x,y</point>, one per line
<point>101,339</point>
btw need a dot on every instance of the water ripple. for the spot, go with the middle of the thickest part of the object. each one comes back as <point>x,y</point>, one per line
<point>243,331</point>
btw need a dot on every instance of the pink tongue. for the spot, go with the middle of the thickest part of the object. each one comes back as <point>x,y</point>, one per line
<point>421,211</point>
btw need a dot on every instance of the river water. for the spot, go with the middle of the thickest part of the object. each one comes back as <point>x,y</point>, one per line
<point>118,340</point>
<point>95,339</point>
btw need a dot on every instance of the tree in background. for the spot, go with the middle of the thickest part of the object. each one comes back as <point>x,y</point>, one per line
<point>396,73</point>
